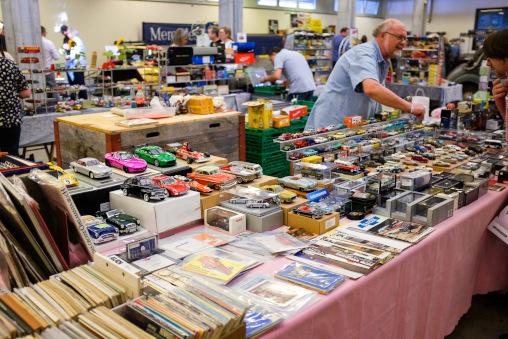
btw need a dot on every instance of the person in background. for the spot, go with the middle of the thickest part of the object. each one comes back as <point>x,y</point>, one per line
<point>180,38</point>
<point>448,54</point>
<point>456,52</point>
<point>49,53</point>
<point>14,86</point>
<point>3,51</point>
<point>356,84</point>
<point>213,34</point>
<point>296,70</point>
<point>225,36</point>
<point>344,32</point>
<point>363,39</point>
<point>74,58</point>
<point>495,49</point>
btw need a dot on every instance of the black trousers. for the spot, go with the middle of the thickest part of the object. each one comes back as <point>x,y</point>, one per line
<point>9,139</point>
<point>304,96</point>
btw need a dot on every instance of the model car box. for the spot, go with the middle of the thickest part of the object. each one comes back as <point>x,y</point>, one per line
<point>432,211</point>
<point>244,58</point>
<point>244,47</point>
<point>280,121</point>
<point>416,181</point>
<point>260,114</point>
<point>384,201</point>
<point>200,105</point>
<point>482,184</point>
<point>317,226</point>
<point>295,111</point>
<point>353,121</point>
<point>208,200</point>
<point>159,216</point>
<point>403,205</point>
<point>226,221</point>
<point>287,208</point>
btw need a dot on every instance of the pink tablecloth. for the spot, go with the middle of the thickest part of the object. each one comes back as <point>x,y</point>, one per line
<point>421,294</point>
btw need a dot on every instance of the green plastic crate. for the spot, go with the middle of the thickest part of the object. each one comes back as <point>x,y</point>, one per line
<point>309,104</point>
<point>314,98</point>
<point>266,159</point>
<point>269,90</point>
<point>261,145</point>
<point>278,174</point>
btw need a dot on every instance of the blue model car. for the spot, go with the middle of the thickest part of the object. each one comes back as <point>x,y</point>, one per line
<point>99,230</point>
<point>321,206</point>
<point>420,148</point>
<point>309,152</point>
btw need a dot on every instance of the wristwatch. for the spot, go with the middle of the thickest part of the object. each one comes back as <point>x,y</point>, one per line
<point>412,108</point>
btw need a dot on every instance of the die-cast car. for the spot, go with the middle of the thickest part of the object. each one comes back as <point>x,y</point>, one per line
<point>143,187</point>
<point>174,187</point>
<point>346,166</point>
<point>251,166</point>
<point>91,167</point>
<point>322,130</point>
<point>99,230</point>
<point>441,164</point>
<point>320,140</point>
<point>124,222</point>
<point>321,206</point>
<point>241,174</point>
<point>213,175</point>
<point>285,195</point>
<point>126,161</point>
<point>69,179</point>
<point>296,135</point>
<point>196,186</point>
<point>309,132</point>
<point>285,136</point>
<point>289,147</point>
<point>296,156</point>
<point>331,127</point>
<point>307,211</point>
<point>298,183</point>
<point>156,156</point>
<point>186,153</point>
<point>253,203</point>
<point>420,158</point>
<point>239,200</point>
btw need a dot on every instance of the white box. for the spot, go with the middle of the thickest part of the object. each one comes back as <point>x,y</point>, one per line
<point>232,222</point>
<point>159,216</point>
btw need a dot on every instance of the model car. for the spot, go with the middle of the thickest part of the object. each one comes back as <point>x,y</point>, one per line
<point>298,183</point>
<point>285,195</point>
<point>363,197</point>
<point>99,230</point>
<point>312,172</point>
<point>346,166</point>
<point>322,130</point>
<point>429,156</point>
<point>125,223</point>
<point>410,163</point>
<point>421,148</point>
<point>441,164</point>
<point>449,160</point>
<point>331,127</point>
<point>309,132</point>
<point>385,168</point>
<point>186,153</point>
<point>424,168</point>
<point>144,187</point>
<point>213,175</point>
<point>460,145</point>
<point>285,136</point>
<point>469,139</point>
<point>371,163</point>
<point>69,179</point>
<point>457,157</point>
<point>361,131</point>
<point>320,140</point>
<point>196,186</point>
<point>420,158</point>
<point>337,136</point>
<point>454,147</point>
<point>156,156</point>
<point>296,156</point>
<point>253,203</point>
<point>241,174</point>
<point>126,161</point>
<point>171,185</point>
<point>289,147</point>
<point>307,211</point>
<point>321,206</point>
<point>296,135</point>
<point>256,168</point>
<point>239,200</point>
<point>91,167</point>
<point>301,143</point>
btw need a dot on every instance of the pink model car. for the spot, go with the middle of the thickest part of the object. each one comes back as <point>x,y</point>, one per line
<point>125,161</point>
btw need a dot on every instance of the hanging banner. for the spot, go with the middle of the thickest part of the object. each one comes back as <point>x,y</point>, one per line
<point>162,34</point>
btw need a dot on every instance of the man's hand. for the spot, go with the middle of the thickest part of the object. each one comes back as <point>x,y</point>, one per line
<point>262,79</point>
<point>499,90</point>
<point>285,83</point>
<point>418,111</point>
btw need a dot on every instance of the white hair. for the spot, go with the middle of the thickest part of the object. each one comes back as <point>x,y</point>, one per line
<point>383,27</point>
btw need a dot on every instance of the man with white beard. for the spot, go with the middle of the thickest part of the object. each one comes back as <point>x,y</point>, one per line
<point>356,84</point>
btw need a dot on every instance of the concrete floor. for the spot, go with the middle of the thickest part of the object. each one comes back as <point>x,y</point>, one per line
<point>486,319</point>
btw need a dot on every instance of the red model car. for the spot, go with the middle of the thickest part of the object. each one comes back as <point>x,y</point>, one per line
<point>420,158</point>
<point>460,145</point>
<point>451,134</point>
<point>186,153</point>
<point>212,175</point>
<point>301,143</point>
<point>285,136</point>
<point>173,186</point>
<point>296,135</point>
<point>296,156</point>
<point>196,186</point>
<point>213,263</point>
<point>469,139</point>
<point>346,166</point>
<point>322,130</point>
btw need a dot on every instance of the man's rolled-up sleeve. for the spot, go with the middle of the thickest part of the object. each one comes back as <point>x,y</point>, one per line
<point>363,67</point>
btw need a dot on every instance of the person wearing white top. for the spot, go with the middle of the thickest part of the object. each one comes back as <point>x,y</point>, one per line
<point>225,36</point>
<point>3,48</point>
<point>49,53</point>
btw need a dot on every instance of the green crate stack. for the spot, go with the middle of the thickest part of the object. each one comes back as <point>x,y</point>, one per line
<point>269,90</point>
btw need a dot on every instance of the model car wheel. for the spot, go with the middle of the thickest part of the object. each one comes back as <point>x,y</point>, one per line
<point>314,217</point>
<point>125,191</point>
<point>146,197</point>
<point>169,192</point>
<point>156,163</point>
<point>190,161</point>
<point>107,163</point>
<point>281,184</point>
<point>125,169</point>
<point>91,175</point>
<point>301,189</point>
<point>239,180</point>
<point>217,187</point>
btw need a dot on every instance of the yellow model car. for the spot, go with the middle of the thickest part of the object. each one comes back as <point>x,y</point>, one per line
<point>361,131</point>
<point>285,195</point>
<point>313,159</point>
<point>69,179</point>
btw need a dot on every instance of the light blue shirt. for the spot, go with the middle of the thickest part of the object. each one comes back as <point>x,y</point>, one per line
<point>343,95</point>
<point>296,70</point>
<point>336,43</point>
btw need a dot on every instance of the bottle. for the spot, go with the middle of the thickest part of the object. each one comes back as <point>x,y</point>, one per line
<point>140,98</point>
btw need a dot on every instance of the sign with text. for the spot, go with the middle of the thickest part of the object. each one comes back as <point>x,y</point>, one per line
<point>162,34</point>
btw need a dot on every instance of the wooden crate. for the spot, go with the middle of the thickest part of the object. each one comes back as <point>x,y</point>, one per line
<point>93,135</point>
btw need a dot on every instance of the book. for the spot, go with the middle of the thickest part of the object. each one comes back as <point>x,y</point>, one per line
<point>280,242</point>
<point>310,277</point>
<point>316,262</point>
<point>214,267</point>
<point>260,319</point>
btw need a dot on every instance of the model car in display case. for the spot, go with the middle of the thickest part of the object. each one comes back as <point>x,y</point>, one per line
<point>285,195</point>
<point>307,211</point>
<point>143,187</point>
<point>298,183</point>
<point>156,156</point>
<point>241,174</point>
<point>69,179</point>
<point>91,167</point>
<point>322,207</point>
<point>256,168</point>
<point>224,220</point>
<point>172,186</point>
<point>99,230</point>
<point>186,153</point>
<point>126,161</point>
<point>346,166</point>
<point>124,222</point>
<point>253,203</point>
<point>213,175</point>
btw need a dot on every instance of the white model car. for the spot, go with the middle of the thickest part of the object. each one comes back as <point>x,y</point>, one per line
<point>91,167</point>
<point>331,127</point>
<point>320,140</point>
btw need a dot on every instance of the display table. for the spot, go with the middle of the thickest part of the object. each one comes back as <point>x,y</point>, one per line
<point>436,93</point>
<point>93,135</point>
<point>420,294</point>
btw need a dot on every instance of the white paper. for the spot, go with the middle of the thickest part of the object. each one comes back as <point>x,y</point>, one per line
<point>183,247</point>
<point>153,263</point>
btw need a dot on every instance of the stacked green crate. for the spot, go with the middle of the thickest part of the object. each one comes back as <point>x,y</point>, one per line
<point>261,149</point>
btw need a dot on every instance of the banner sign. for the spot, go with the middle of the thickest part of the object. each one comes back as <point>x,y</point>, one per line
<point>162,34</point>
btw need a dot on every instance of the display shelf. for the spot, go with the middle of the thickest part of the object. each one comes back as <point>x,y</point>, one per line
<point>420,49</point>
<point>313,49</point>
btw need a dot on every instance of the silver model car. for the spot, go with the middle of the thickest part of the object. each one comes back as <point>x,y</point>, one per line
<point>257,204</point>
<point>298,183</point>
<point>257,169</point>
<point>241,174</point>
<point>91,167</point>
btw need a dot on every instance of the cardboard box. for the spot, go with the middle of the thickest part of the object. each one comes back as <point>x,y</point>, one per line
<point>296,111</point>
<point>159,216</point>
<point>236,222</point>
<point>318,226</point>
<point>244,58</point>
<point>287,208</point>
<point>200,105</point>
<point>353,121</point>
<point>263,181</point>
<point>208,200</point>
<point>260,114</point>
<point>280,121</point>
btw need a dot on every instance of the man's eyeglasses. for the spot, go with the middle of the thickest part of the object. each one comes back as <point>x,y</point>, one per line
<point>400,37</point>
